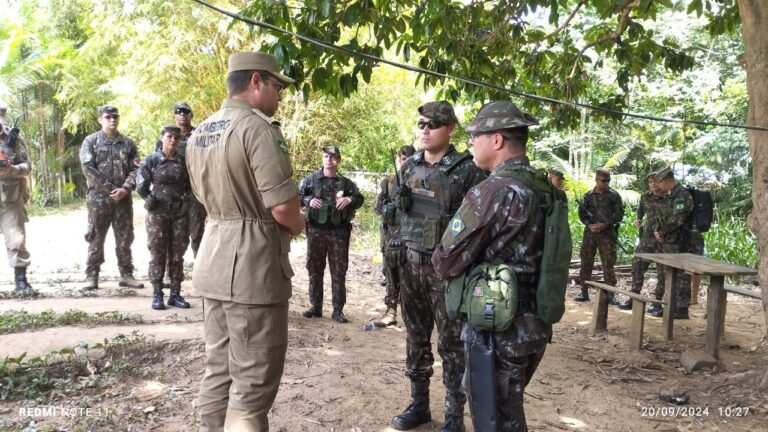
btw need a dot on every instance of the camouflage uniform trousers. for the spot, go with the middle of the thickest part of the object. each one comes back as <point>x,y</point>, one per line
<point>682,279</point>
<point>332,244</point>
<point>103,213</point>
<point>13,218</point>
<point>590,244</point>
<point>639,266</point>
<point>422,301</point>
<point>514,371</point>
<point>167,240</point>
<point>196,221</point>
<point>394,266</point>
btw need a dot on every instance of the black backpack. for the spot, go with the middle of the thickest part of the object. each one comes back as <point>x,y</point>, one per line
<point>703,209</point>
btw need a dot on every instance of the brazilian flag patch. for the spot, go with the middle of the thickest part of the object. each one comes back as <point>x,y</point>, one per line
<point>457,225</point>
<point>679,206</point>
<point>282,146</point>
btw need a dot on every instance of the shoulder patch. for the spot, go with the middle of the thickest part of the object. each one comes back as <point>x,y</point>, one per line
<point>282,146</point>
<point>679,206</point>
<point>457,225</point>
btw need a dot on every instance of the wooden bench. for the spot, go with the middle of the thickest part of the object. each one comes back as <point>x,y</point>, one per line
<point>600,314</point>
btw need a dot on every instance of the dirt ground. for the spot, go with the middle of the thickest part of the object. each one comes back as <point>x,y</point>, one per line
<point>341,378</point>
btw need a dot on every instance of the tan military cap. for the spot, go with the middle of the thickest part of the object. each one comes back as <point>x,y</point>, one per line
<point>256,61</point>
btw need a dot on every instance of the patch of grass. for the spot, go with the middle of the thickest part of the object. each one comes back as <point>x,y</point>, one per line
<point>62,372</point>
<point>18,320</point>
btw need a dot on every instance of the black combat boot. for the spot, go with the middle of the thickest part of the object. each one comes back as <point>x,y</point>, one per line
<point>157,296</point>
<point>339,316</point>
<point>627,305</point>
<point>612,300</point>
<point>454,412</point>
<point>313,312</point>
<point>417,412</point>
<point>91,280</point>
<point>175,299</point>
<point>583,296</point>
<point>656,310</point>
<point>20,276</point>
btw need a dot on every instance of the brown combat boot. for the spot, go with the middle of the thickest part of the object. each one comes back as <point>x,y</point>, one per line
<point>127,280</point>
<point>389,318</point>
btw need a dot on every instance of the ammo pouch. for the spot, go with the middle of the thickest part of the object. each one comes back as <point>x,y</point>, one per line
<point>405,198</point>
<point>320,215</point>
<point>395,253</point>
<point>487,295</point>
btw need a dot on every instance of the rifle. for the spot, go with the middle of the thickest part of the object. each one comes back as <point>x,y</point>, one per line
<point>8,155</point>
<point>608,232</point>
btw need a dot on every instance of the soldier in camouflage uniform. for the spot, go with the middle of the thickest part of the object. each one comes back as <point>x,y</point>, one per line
<point>109,161</point>
<point>182,114</point>
<point>651,203</point>
<point>330,200</point>
<point>389,234</point>
<point>434,180</point>
<point>601,211</point>
<point>673,233</point>
<point>14,194</point>
<point>163,183</point>
<point>556,179</point>
<point>496,213</point>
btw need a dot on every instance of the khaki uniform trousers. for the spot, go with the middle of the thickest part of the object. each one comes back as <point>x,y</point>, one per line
<point>245,346</point>
<point>13,216</point>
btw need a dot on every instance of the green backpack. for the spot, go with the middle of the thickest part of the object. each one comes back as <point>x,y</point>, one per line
<point>553,276</point>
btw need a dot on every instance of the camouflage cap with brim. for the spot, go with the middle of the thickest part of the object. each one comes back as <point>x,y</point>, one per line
<point>664,174</point>
<point>172,129</point>
<point>108,109</point>
<point>182,105</point>
<point>498,115</point>
<point>439,111</point>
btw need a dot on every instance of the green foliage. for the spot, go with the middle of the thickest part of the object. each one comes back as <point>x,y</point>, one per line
<point>62,372</point>
<point>18,320</point>
<point>730,240</point>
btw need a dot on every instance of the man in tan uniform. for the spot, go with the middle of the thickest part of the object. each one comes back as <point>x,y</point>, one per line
<point>14,193</point>
<point>239,169</point>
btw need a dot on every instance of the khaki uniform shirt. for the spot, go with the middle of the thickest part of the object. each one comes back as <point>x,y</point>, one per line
<point>239,169</point>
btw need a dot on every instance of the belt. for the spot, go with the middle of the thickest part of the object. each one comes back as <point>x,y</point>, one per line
<point>421,258</point>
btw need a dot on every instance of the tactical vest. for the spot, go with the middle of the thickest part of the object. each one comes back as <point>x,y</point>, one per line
<point>328,213</point>
<point>424,223</point>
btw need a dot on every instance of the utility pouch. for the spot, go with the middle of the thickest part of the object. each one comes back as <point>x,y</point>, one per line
<point>389,215</point>
<point>395,253</point>
<point>490,297</point>
<point>335,215</point>
<point>90,233</point>
<point>319,215</point>
<point>430,236</point>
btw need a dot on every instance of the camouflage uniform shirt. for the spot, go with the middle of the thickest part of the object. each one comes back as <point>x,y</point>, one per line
<point>109,162</point>
<point>493,216</point>
<point>604,208</point>
<point>168,177</point>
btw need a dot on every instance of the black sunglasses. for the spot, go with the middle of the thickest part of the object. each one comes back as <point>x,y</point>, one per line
<point>112,116</point>
<point>432,124</point>
<point>182,111</point>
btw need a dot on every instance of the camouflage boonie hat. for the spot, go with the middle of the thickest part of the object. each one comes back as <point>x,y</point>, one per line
<point>333,151</point>
<point>665,173</point>
<point>440,111</point>
<point>499,115</point>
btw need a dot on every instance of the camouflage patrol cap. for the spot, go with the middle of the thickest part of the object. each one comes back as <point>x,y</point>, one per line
<point>556,173</point>
<point>108,109</point>
<point>499,115</point>
<point>664,174</point>
<point>333,151</point>
<point>440,111</point>
<point>181,105</point>
<point>651,177</point>
<point>172,129</point>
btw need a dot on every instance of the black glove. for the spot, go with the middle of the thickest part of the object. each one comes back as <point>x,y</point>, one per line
<point>150,203</point>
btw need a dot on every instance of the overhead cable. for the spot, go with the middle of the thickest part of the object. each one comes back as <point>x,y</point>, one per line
<point>376,59</point>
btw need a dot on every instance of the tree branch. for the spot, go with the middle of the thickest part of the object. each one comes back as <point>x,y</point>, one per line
<point>564,25</point>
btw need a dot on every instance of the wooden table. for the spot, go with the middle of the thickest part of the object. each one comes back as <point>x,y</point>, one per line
<point>716,294</point>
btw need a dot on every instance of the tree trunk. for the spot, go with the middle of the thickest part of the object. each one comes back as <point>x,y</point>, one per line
<point>754,14</point>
